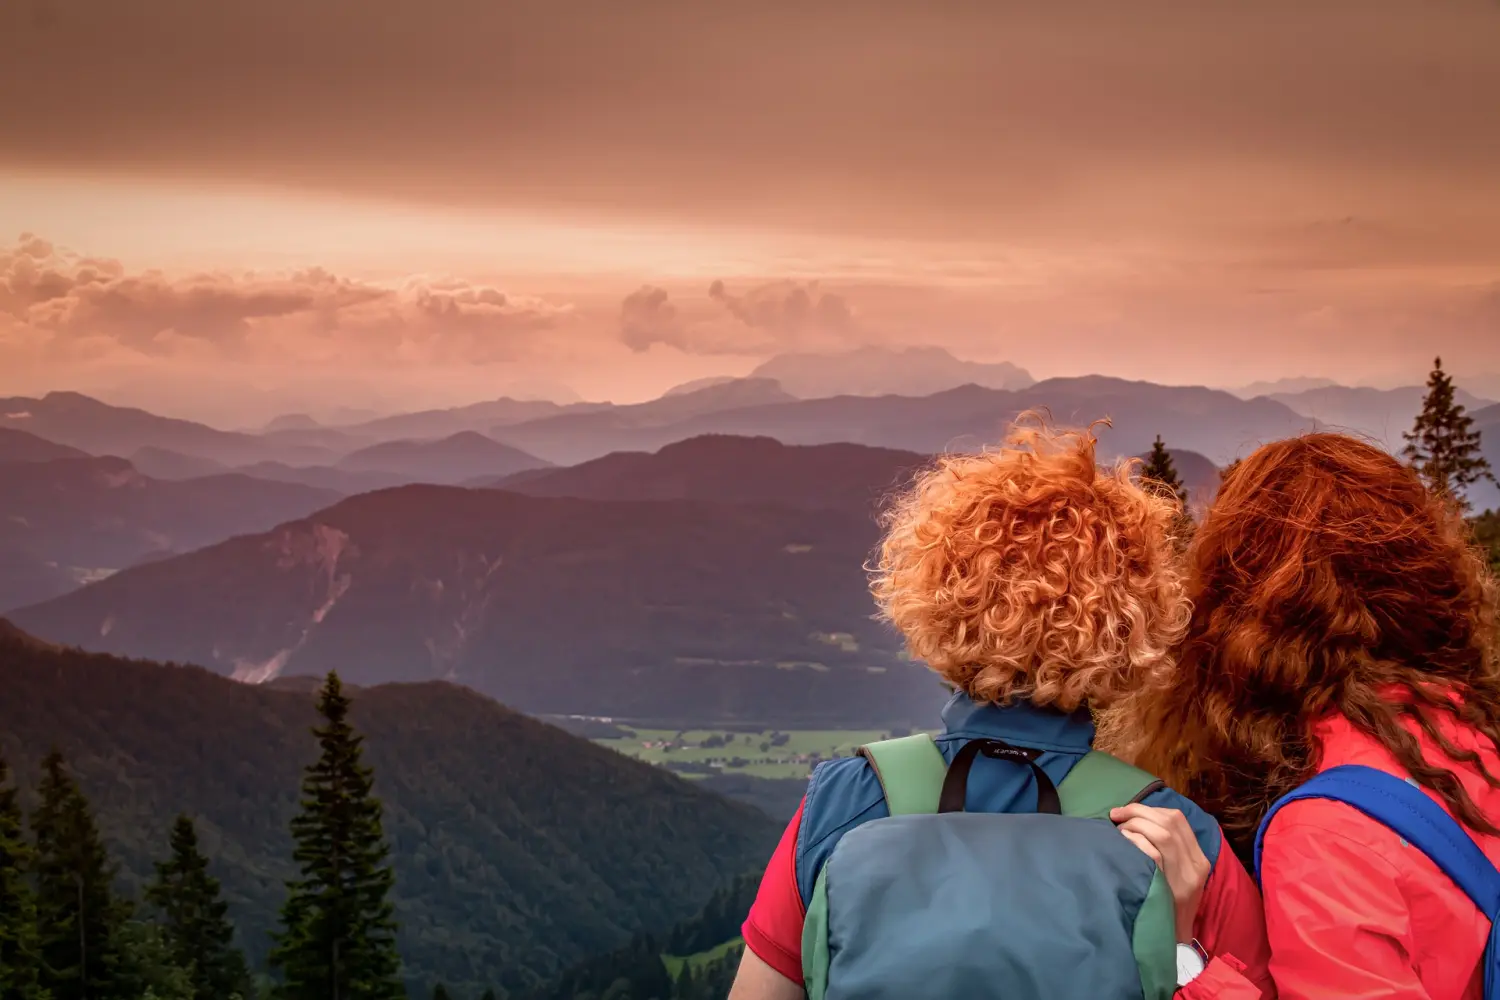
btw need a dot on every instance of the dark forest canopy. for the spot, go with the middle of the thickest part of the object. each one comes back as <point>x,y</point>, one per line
<point>519,850</point>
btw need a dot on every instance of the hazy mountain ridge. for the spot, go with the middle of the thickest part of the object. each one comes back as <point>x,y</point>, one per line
<point>429,424</point>
<point>518,848</point>
<point>82,422</point>
<point>1215,423</point>
<point>446,461</point>
<point>881,371</point>
<point>554,605</point>
<point>77,516</point>
<point>730,469</point>
<point>1382,415</point>
<point>23,446</point>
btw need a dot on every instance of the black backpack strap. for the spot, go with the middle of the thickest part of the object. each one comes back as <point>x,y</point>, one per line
<point>956,784</point>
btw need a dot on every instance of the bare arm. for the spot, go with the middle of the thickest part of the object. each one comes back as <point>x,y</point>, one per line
<point>758,981</point>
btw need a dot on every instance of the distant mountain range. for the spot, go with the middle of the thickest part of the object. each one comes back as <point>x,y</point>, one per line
<point>1214,423</point>
<point>81,422</point>
<point>1281,385</point>
<point>68,520</point>
<point>880,371</point>
<point>673,609</point>
<point>1382,415</point>
<point>429,424</point>
<point>447,461</point>
<point>21,446</point>
<point>847,477</point>
<point>519,850</point>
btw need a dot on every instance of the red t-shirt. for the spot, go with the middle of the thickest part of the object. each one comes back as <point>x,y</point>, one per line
<point>1231,926</point>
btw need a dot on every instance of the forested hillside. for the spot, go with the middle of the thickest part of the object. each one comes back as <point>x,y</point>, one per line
<point>671,609</point>
<point>696,960</point>
<point>518,849</point>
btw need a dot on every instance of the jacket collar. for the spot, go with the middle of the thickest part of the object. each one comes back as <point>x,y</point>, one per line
<point>1020,723</point>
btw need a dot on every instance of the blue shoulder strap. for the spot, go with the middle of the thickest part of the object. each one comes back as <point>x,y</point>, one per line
<point>1421,822</point>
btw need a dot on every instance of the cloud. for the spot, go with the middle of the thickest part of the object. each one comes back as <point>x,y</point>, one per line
<point>71,307</point>
<point>777,316</point>
<point>916,118</point>
<point>787,309</point>
<point>648,317</point>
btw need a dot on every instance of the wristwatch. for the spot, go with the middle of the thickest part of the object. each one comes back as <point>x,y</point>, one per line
<point>1191,961</point>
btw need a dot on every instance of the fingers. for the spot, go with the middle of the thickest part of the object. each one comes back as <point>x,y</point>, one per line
<point>1147,848</point>
<point>1172,819</point>
<point>1164,827</point>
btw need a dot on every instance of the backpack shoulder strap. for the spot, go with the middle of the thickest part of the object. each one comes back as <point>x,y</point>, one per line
<point>1100,782</point>
<point>1409,812</point>
<point>911,770</point>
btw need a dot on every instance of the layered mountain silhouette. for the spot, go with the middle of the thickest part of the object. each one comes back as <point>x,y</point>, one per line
<point>446,461</point>
<point>882,371</point>
<point>67,520</point>
<point>518,849</point>
<point>431,424</point>
<point>82,422</point>
<point>1382,415</point>
<point>1214,423</point>
<point>556,605</point>
<point>21,446</point>
<point>732,470</point>
<point>162,464</point>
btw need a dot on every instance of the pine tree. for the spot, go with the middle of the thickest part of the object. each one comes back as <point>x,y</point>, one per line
<point>1442,445</point>
<point>337,938</point>
<point>1160,476</point>
<point>440,992</point>
<point>195,921</point>
<point>149,967</point>
<point>77,915</point>
<point>19,947</point>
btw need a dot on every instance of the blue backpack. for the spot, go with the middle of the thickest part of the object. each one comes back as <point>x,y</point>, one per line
<point>934,901</point>
<point>1421,822</point>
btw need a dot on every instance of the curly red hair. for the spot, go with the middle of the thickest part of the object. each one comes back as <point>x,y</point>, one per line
<point>1324,577</point>
<point>1030,573</point>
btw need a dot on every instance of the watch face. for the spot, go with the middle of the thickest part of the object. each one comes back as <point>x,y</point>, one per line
<point>1189,964</point>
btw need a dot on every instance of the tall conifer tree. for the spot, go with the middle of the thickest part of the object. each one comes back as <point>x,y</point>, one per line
<point>195,921</point>
<point>1160,475</point>
<point>1442,445</point>
<point>77,915</point>
<point>19,947</point>
<point>338,933</point>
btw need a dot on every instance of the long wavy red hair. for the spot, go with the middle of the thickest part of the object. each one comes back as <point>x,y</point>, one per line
<point>1324,577</point>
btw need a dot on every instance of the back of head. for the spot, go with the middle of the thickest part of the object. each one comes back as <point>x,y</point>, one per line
<point>1028,572</point>
<point>1324,578</point>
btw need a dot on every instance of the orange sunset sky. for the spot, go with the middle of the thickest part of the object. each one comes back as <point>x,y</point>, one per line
<point>231,208</point>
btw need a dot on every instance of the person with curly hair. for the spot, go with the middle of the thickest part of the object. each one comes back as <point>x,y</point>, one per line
<point>1336,703</point>
<point>1040,588</point>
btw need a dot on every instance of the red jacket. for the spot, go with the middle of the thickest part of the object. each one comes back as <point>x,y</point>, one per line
<point>1354,912</point>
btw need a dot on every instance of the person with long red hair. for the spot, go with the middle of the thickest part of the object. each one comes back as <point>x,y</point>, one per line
<point>1338,693</point>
